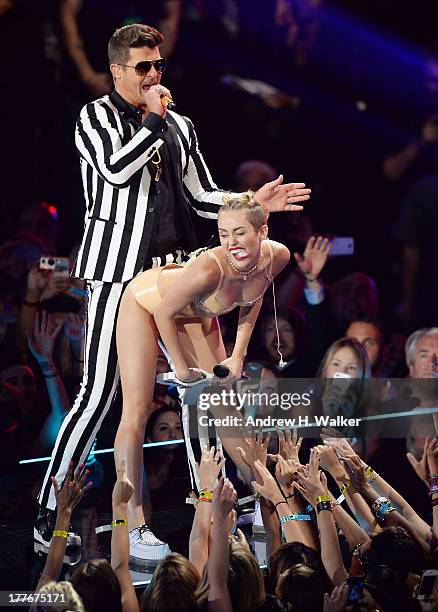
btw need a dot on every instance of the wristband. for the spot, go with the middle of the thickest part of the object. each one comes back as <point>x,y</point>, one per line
<point>370,474</point>
<point>60,533</point>
<point>206,494</point>
<point>294,517</point>
<point>323,498</point>
<point>290,496</point>
<point>53,375</point>
<point>119,523</point>
<point>324,505</point>
<point>205,499</point>
<point>343,488</point>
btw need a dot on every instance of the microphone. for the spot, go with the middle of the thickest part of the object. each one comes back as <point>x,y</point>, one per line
<point>167,102</point>
<point>221,371</point>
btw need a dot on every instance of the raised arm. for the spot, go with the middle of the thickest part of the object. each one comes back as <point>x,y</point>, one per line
<point>99,83</point>
<point>224,498</point>
<point>67,497</point>
<point>122,492</point>
<point>208,470</point>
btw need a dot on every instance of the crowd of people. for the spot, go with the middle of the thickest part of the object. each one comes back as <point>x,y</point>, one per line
<point>69,324</point>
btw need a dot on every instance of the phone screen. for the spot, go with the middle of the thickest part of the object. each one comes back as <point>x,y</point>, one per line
<point>426,586</point>
<point>356,588</point>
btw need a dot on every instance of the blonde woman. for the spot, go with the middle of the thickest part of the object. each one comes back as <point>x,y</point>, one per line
<point>180,303</point>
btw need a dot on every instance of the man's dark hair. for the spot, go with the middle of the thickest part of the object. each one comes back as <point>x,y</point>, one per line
<point>132,36</point>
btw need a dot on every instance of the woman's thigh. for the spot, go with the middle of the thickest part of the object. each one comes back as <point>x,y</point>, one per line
<point>137,350</point>
<point>201,341</point>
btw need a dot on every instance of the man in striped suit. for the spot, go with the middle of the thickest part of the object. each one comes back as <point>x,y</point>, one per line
<point>142,171</point>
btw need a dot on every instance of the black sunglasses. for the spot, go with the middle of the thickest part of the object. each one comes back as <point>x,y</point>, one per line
<point>142,68</point>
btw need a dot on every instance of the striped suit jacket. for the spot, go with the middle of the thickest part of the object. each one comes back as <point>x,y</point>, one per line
<point>119,212</point>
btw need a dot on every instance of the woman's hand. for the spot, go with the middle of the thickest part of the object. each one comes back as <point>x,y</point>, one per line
<point>266,484</point>
<point>315,483</point>
<point>209,467</point>
<point>123,489</point>
<point>254,449</point>
<point>314,257</point>
<point>235,365</point>
<point>42,341</point>
<point>356,472</point>
<point>224,498</point>
<point>58,283</point>
<point>421,467</point>
<point>285,474</point>
<point>432,455</point>
<point>37,279</point>
<point>72,489</point>
<point>288,445</point>
<point>188,376</point>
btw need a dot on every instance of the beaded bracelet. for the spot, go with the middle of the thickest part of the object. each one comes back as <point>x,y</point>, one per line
<point>294,517</point>
<point>377,503</point>
<point>383,510</point>
<point>322,498</point>
<point>343,488</point>
<point>324,505</point>
<point>60,533</point>
<point>119,523</point>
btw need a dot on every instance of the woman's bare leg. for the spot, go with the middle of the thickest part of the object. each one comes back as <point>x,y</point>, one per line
<point>137,352</point>
<point>202,343</point>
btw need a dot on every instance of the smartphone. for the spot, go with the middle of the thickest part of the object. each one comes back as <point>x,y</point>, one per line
<point>60,264</point>
<point>342,246</point>
<point>428,584</point>
<point>355,592</point>
<point>253,370</point>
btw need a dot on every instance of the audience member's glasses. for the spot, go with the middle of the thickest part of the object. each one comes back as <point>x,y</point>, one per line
<point>142,68</point>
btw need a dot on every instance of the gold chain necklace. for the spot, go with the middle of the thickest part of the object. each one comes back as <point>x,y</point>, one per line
<point>244,274</point>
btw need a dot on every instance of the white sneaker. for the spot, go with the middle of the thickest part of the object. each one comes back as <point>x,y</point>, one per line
<point>144,546</point>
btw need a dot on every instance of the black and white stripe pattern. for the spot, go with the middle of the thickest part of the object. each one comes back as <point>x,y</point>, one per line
<point>99,383</point>
<point>117,183</point>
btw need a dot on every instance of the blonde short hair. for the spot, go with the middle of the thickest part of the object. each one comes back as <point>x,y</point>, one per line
<point>256,212</point>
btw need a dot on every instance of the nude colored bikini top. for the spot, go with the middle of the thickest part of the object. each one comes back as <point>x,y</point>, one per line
<point>212,305</point>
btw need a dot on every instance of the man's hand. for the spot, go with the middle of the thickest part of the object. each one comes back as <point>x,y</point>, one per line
<point>277,197</point>
<point>314,257</point>
<point>153,100</point>
<point>72,489</point>
<point>209,467</point>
